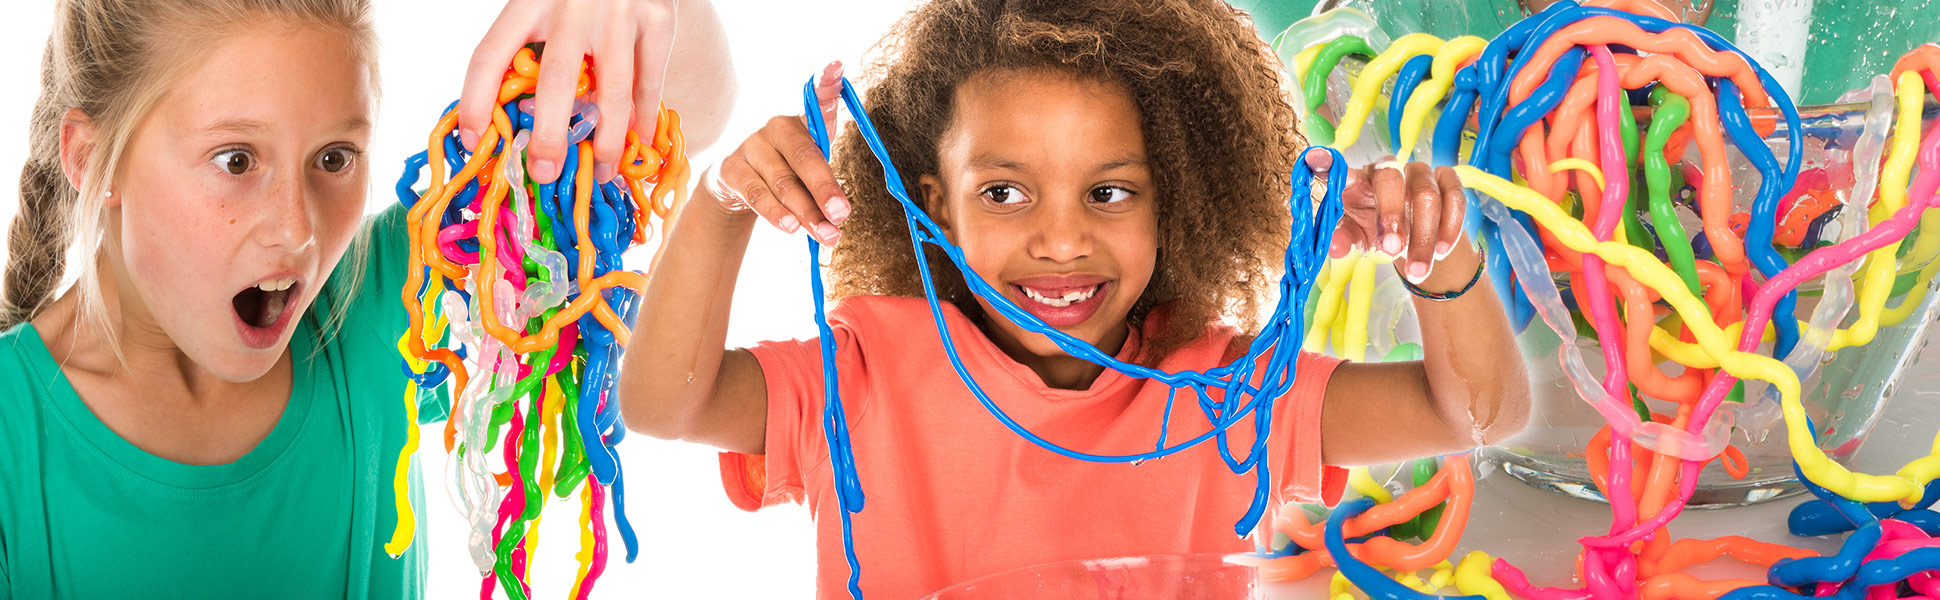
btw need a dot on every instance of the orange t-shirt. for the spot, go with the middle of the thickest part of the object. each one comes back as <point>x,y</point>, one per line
<point>951,494</point>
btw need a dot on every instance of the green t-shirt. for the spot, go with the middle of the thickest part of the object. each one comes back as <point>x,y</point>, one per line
<point>1852,40</point>
<point>305,514</point>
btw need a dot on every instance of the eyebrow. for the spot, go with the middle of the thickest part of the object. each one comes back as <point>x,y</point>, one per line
<point>991,161</point>
<point>235,126</point>
<point>354,124</point>
<point>1129,161</point>
<point>252,126</point>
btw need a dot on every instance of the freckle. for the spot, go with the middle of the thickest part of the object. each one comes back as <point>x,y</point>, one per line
<point>232,221</point>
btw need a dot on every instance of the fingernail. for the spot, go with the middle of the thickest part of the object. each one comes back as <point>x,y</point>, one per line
<point>788,223</point>
<point>468,138</point>
<point>545,170</point>
<point>1417,272</point>
<point>1391,243</point>
<point>603,172</point>
<point>1442,250</point>
<point>827,232</point>
<point>838,209</point>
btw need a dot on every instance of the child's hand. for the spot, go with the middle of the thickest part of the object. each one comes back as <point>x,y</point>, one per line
<point>629,40</point>
<point>1411,212</point>
<point>780,174</point>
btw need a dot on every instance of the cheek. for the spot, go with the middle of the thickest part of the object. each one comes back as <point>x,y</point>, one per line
<point>339,219</point>
<point>172,241</point>
<point>990,250</point>
<point>986,248</point>
<point>986,258</point>
<point>1138,252</point>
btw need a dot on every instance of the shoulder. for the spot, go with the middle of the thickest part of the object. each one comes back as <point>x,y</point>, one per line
<point>866,332</point>
<point>26,374</point>
<point>898,317</point>
<point>869,310</point>
<point>23,366</point>
<point>1221,343</point>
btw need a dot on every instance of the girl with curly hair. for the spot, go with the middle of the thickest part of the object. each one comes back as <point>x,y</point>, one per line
<point>1119,169</point>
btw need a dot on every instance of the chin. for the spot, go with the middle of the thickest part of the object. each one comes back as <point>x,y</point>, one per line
<point>245,365</point>
<point>1093,331</point>
<point>232,360</point>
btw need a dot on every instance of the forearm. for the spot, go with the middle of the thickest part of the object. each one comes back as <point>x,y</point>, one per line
<point>1475,373</point>
<point>701,82</point>
<point>671,369</point>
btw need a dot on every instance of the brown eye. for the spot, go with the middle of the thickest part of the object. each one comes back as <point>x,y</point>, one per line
<point>1109,194</point>
<point>235,162</point>
<point>1004,194</point>
<point>334,160</point>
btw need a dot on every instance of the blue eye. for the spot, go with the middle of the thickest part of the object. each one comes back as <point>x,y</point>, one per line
<point>1004,194</point>
<point>234,162</point>
<point>1109,194</point>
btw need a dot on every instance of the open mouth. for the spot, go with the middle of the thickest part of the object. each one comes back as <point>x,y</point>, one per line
<point>1061,300</point>
<point>1061,304</point>
<point>262,310</point>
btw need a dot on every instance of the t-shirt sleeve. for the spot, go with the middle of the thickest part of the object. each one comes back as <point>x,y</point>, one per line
<point>795,444</point>
<point>370,287</point>
<point>1303,477</point>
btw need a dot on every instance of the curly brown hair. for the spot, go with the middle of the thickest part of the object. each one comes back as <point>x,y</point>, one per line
<point>1219,136</point>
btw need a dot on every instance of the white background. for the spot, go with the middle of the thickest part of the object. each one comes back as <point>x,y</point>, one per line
<point>694,544</point>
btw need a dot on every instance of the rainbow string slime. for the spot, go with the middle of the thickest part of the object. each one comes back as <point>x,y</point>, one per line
<point>523,282</point>
<point>1700,88</point>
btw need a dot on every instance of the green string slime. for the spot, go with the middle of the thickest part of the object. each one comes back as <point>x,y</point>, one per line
<point>1671,110</point>
<point>1319,131</point>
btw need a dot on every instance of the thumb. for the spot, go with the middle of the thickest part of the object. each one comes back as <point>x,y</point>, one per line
<point>828,92</point>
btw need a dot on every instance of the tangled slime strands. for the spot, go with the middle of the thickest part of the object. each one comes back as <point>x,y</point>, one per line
<point>1227,396</point>
<point>517,300</point>
<point>1551,95</point>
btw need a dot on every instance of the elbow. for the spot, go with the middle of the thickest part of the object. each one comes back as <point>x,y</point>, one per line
<point>1510,419</point>
<point>1492,412</point>
<point>645,409</point>
<point>1504,413</point>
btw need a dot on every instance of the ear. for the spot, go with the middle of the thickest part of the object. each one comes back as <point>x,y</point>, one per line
<point>934,201</point>
<point>77,142</point>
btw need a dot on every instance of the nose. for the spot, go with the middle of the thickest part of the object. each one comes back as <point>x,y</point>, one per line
<point>1063,230</point>
<point>288,221</point>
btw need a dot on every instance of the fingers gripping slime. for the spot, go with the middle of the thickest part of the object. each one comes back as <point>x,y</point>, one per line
<point>518,308</point>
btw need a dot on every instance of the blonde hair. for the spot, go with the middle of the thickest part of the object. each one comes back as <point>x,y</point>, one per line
<point>114,60</point>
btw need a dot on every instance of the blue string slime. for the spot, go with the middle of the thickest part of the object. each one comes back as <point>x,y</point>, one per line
<point>1279,342</point>
<point>1405,82</point>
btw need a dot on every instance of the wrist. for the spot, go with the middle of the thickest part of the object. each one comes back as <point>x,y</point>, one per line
<point>1449,272</point>
<point>722,204</point>
<point>1448,278</point>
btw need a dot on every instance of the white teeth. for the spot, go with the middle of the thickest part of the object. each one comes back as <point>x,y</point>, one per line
<point>276,285</point>
<point>1069,298</point>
